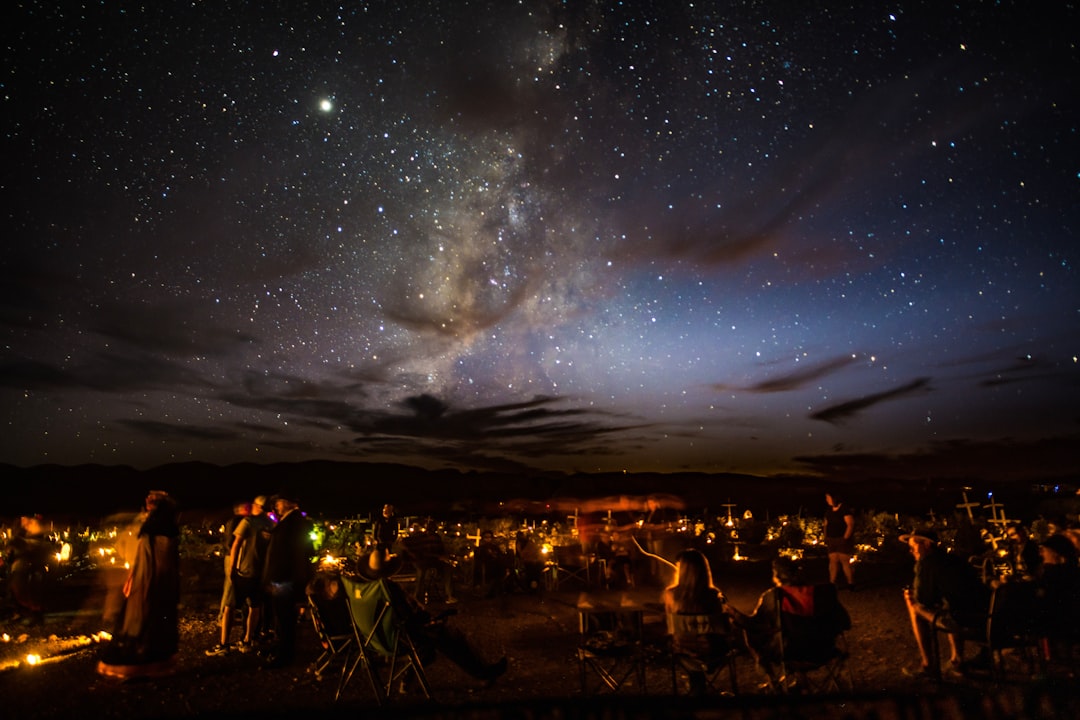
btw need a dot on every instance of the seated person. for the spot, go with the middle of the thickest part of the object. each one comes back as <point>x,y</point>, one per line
<point>430,634</point>
<point>947,589</point>
<point>620,564</point>
<point>693,593</point>
<point>814,619</point>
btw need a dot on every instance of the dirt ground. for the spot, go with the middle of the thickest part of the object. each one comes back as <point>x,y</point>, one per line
<point>538,635</point>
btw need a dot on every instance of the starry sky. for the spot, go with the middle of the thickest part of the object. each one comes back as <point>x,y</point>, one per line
<point>764,237</point>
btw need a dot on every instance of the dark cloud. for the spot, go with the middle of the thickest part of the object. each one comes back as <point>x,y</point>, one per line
<point>181,431</point>
<point>797,379</point>
<point>1003,459</point>
<point>105,372</point>
<point>430,427</point>
<point>837,414</point>
<point>1023,369</point>
<point>176,330</point>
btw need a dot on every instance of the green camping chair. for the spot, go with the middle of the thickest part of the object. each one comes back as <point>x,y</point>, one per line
<point>386,648</point>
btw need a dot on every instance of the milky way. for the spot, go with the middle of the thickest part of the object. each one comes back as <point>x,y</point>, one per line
<point>587,236</point>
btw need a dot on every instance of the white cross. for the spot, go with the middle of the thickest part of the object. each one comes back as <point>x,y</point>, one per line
<point>994,505</point>
<point>728,505</point>
<point>967,505</point>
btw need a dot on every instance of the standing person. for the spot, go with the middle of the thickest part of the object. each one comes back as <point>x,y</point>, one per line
<point>28,553</point>
<point>384,533</point>
<point>227,607</point>
<point>490,566</point>
<point>287,570</point>
<point>840,539</point>
<point>243,577</point>
<point>433,562</point>
<point>147,635</point>
<point>946,589</point>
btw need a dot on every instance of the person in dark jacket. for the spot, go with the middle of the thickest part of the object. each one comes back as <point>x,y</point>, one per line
<point>384,533</point>
<point>289,568</point>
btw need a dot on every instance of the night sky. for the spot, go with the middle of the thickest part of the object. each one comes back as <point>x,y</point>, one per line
<point>587,236</point>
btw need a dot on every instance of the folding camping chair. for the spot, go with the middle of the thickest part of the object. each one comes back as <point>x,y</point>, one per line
<point>1011,623</point>
<point>610,648</point>
<point>385,646</point>
<point>702,644</point>
<point>812,646</point>
<point>569,564</point>
<point>329,612</point>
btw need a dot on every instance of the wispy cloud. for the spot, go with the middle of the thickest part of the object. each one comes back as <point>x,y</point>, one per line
<point>838,414</point>
<point>797,379</point>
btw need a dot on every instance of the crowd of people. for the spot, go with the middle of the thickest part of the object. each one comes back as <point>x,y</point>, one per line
<point>267,567</point>
<point>269,571</point>
<point>950,593</point>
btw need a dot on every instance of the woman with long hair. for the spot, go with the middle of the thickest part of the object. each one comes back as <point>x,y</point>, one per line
<point>693,591</point>
<point>697,616</point>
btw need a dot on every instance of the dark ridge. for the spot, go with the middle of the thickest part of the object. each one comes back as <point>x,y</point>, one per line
<point>339,489</point>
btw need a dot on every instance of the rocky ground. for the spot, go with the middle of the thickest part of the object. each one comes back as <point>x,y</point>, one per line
<point>539,637</point>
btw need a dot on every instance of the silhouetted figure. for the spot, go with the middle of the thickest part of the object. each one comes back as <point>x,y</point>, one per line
<point>840,539</point>
<point>27,556</point>
<point>384,532</point>
<point>693,593</point>
<point>490,565</point>
<point>146,639</point>
<point>287,571</point>
<point>432,561</point>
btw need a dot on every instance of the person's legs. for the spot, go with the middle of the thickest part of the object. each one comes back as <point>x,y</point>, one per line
<point>848,567</point>
<point>956,648</point>
<point>249,597</point>
<point>834,567</point>
<point>251,629</point>
<point>226,625</point>
<point>921,629</point>
<point>447,571</point>
<point>225,616</point>
<point>422,574</point>
<point>285,618</point>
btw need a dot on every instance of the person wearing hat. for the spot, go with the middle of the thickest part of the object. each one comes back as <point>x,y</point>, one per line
<point>378,563</point>
<point>947,591</point>
<point>287,570</point>
<point>430,633</point>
